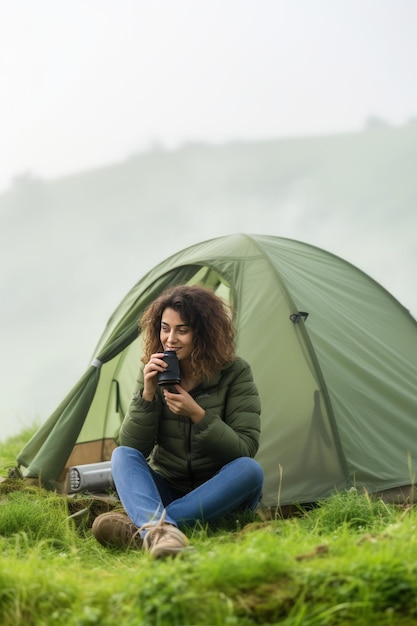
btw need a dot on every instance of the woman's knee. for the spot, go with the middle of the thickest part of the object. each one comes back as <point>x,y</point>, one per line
<point>250,469</point>
<point>118,454</point>
<point>257,471</point>
<point>123,456</point>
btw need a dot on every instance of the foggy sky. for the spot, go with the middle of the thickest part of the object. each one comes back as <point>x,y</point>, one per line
<point>86,83</point>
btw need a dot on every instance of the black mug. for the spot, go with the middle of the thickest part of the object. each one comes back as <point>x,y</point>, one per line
<point>171,375</point>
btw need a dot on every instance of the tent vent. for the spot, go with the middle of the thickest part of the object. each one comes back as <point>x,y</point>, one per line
<point>295,317</point>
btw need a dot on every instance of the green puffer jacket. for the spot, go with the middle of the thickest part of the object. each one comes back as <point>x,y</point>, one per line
<point>188,454</point>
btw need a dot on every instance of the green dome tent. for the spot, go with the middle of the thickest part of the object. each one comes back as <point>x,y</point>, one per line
<point>334,356</point>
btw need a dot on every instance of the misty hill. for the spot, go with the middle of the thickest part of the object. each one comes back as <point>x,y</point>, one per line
<point>373,170</point>
<point>73,246</point>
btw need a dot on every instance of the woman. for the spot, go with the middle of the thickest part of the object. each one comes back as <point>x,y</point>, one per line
<point>186,452</point>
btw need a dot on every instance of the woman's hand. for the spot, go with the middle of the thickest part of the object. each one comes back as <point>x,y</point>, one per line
<point>181,403</point>
<point>150,372</point>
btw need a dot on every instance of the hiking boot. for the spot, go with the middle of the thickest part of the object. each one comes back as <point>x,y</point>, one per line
<point>162,539</point>
<point>115,530</point>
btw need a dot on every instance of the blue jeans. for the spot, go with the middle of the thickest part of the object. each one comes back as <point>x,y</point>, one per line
<point>145,494</point>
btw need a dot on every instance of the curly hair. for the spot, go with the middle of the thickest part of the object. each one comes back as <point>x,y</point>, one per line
<point>209,317</point>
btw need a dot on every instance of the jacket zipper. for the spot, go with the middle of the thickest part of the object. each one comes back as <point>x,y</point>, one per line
<point>195,394</point>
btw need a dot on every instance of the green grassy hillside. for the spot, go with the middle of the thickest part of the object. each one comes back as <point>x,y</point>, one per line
<point>350,561</point>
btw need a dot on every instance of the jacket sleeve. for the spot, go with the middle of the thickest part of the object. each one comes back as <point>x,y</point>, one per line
<point>140,426</point>
<point>236,433</point>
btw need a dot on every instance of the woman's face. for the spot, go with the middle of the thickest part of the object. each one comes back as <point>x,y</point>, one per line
<point>176,334</point>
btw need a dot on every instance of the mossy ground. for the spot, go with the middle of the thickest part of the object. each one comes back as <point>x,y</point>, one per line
<point>350,560</point>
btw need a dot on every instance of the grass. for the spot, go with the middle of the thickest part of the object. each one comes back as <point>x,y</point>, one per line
<point>351,560</point>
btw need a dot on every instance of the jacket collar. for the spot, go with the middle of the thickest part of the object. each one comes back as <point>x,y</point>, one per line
<point>213,380</point>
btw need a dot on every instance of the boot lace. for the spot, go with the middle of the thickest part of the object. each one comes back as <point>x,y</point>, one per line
<point>153,531</point>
